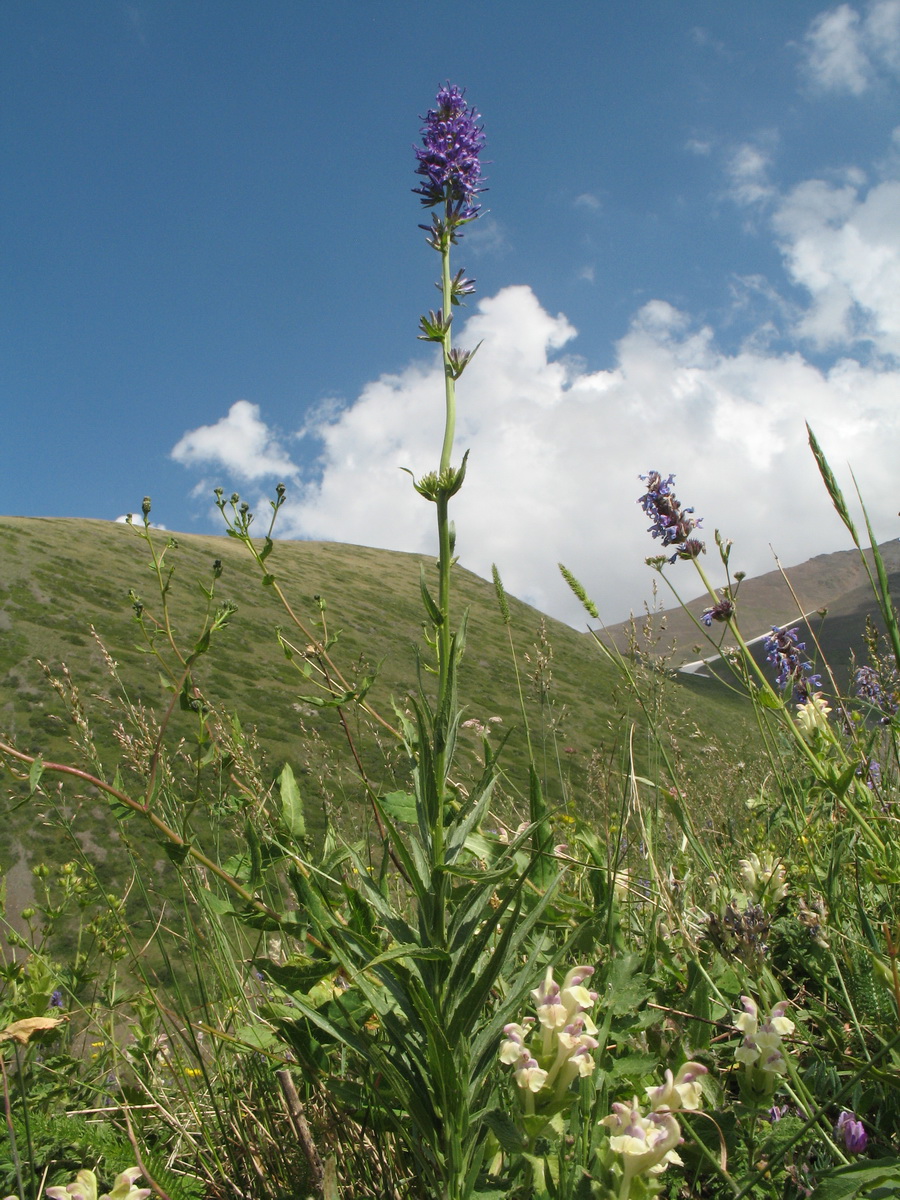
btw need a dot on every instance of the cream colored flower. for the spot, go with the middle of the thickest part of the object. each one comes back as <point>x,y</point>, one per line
<point>681,1092</point>
<point>813,715</point>
<point>530,1076</point>
<point>761,1047</point>
<point>763,877</point>
<point>647,1144</point>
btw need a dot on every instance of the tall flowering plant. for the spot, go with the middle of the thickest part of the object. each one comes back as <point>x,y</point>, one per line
<point>436,953</point>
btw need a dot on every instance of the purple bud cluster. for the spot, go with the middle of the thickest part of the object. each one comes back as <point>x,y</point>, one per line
<point>671,523</point>
<point>721,611</point>
<point>783,647</point>
<point>452,141</point>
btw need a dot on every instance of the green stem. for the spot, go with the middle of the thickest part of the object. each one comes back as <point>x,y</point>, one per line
<point>444,634</point>
<point>449,382</point>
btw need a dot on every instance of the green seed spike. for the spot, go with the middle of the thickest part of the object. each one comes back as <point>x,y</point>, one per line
<point>579,591</point>
<point>501,595</point>
<point>832,486</point>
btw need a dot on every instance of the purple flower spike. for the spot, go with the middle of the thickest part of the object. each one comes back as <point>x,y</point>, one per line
<point>671,522</point>
<point>452,140</point>
<point>851,1132</point>
<point>783,648</point>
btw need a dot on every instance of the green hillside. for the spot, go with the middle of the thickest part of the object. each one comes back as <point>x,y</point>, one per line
<point>61,578</point>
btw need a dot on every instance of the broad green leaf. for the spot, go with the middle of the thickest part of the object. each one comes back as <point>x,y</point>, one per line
<point>505,1130</point>
<point>222,908</point>
<point>399,805</point>
<point>856,1180</point>
<point>260,1037</point>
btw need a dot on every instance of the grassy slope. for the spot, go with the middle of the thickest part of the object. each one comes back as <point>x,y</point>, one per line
<point>59,577</point>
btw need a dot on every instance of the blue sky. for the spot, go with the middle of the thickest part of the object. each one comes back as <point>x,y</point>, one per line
<point>212,271</point>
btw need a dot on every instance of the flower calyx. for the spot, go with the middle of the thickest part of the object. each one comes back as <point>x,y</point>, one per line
<point>435,326</point>
<point>437,485</point>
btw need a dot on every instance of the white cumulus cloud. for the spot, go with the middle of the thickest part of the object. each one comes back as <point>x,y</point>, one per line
<point>240,442</point>
<point>556,452</point>
<point>845,50</point>
<point>842,244</point>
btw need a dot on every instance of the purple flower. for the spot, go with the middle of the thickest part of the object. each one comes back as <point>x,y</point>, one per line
<point>56,1000</point>
<point>671,522</point>
<point>851,1132</point>
<point>870,687</point>
<point>722,611</point>
<point>783,648</point>
<point>452,140</point>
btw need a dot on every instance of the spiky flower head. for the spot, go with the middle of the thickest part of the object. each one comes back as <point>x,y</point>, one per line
<point>671,523</point>
<point>452,141</point>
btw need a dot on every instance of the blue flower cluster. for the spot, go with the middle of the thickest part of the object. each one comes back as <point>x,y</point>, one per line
<point>783,647</point>
<point>671,522</point>
<point>872,688</point>
<point>452,141</point>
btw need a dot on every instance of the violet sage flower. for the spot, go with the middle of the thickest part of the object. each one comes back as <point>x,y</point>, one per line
<point>671,523</point>
<point>722,610</point>
<point>872,688</point>
<point>452,141</point>
<point>782,648</point>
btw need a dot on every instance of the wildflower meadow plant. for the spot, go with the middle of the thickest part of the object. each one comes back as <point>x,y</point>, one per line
<point>548,1057</point>
<point>435,974</point>
<point>761,1051</point>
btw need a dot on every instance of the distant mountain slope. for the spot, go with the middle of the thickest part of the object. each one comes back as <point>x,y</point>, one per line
<point>835,585</point>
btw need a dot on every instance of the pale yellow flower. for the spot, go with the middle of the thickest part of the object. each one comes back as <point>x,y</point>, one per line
<point>813,715</point>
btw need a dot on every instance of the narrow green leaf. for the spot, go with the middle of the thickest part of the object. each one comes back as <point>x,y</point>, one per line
<point>255,850</point>
<point>431,953</point>
<point>291,803</point>
<point>34,775</point>
<point>434,613</point>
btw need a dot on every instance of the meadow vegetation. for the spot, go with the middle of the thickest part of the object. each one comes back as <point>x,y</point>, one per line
<point>412,950</point>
